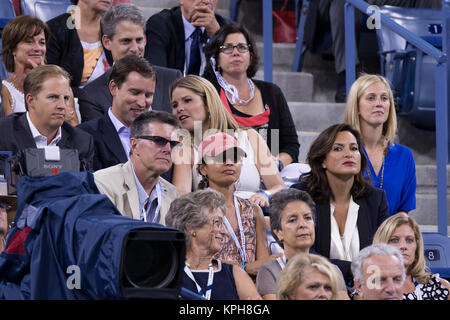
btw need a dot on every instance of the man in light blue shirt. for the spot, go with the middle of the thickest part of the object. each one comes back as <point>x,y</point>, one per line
<point>132,85</point>
<point>136,187</point>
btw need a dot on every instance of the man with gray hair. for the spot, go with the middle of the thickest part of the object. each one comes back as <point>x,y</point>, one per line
<point>135,187</point>
<point>123,34</point>
<point>379,273</point>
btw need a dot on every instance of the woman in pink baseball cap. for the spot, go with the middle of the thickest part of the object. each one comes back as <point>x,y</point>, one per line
<point>245,240</point>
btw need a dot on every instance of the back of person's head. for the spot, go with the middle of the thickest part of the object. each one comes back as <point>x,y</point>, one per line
<point>280,200</point>
<point>357,90</point>
<point>296,271</point>
<point>118,13</point>
<point>212,49</point>
<point>378,249</point>
<point>316,179</point>
<point>219,117</point>
<point>191,210</point>
<point>418,268</point>
<point>17,30</point>
<point>123,67</point>
<point>34,80</point>
<point>140,124</point>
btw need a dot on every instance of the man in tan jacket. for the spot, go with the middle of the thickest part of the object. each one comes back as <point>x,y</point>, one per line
<point>135,187</point>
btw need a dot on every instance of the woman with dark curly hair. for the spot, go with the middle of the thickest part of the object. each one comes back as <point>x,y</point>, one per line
<point>232,63</point>
<point>349,210</point>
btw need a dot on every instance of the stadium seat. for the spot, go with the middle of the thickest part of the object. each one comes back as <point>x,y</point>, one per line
<point>7,10</point>
<point>410,71</point>
<point>45,9</point>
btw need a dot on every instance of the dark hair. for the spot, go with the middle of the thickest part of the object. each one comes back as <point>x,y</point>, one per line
<point>316,180</point>
<point>17,30</point>
<point>280,200</point>
<point>75,2</point>
<point>212,48</point>
<point>139,125</point>
<point>128,64</point>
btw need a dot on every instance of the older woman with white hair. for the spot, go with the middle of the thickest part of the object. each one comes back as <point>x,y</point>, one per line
<point>379,273</point>
<point>370,109</point>
<point>199,215</point>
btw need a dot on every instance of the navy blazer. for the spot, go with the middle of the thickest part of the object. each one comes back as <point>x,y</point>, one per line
<point>165,38</point>
<point>373,210</point>
<point>15,135</point>
<point>108,147</point>
<point>95,98</point>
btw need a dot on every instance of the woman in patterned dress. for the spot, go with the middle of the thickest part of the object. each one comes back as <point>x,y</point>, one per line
<point>245,240</point>
<point>403,232</point>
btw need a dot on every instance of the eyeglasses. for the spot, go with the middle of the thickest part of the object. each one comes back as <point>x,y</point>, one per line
<point>229,48</point>
<point>160,141</point>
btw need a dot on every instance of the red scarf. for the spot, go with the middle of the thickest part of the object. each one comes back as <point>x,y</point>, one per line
<point>253,121</point>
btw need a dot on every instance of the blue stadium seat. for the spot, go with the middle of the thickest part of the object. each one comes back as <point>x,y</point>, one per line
<point>7,9</point>
<point>410,71</point>
<point>45,9</point>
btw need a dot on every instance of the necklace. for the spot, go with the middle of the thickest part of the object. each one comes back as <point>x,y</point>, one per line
<point>230,90</point>
<point>385,151</point>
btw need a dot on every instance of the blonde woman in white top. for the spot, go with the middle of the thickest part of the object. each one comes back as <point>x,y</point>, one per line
<point>197,105</point>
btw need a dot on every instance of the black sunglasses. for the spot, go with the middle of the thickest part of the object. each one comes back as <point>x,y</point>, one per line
<point>160,141</point>
<point>225,157</point>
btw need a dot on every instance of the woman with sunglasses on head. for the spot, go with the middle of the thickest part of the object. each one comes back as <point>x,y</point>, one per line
<point>197,106</point>
<point>245,240</point>
<point>232,61</point>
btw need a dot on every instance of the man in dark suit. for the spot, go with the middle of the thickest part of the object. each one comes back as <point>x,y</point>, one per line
<point>123,34</point>
<point>171,33</point>
<point>132,86</point>
<point>47,93</point>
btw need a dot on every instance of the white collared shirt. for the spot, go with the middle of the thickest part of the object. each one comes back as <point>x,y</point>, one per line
<point>123,132</point>
<point>39,139</point>
<point>347,246</point>
<point>188,30</point>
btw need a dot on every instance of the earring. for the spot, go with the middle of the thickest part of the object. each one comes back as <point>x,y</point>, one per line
<point>194,234</point>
